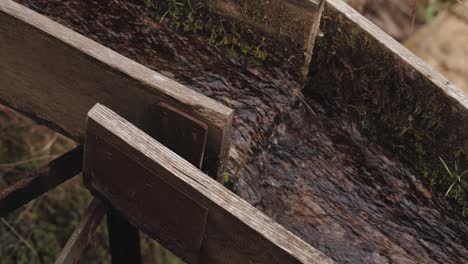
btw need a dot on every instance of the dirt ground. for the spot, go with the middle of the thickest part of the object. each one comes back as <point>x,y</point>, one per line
<point>443,44</point>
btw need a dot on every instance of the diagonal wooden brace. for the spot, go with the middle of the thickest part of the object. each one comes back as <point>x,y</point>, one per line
<point>41,181</point>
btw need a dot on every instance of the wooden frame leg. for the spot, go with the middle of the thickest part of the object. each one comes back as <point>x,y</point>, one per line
<point>83,234</point>
<point>124,240</point>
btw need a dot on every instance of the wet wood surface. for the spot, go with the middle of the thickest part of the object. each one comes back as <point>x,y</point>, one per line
<point>291,24</point>
<point>151,183</point>
<point>343,14</point>
<point>55,75</point>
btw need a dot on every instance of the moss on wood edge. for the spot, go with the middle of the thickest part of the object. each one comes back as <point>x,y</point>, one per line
<point>394,103</point>
<point>254,32</point>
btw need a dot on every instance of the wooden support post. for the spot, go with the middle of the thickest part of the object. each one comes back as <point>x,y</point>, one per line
<point>177,204</point>
<point>181,133</point>
<point>55,75</point>
<point>82,234</point>
<point>41,181</point>
<point>124,239</point>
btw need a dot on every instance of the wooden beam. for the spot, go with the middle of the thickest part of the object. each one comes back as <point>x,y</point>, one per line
<point>359,69</point>
<point>180,132</point>
<point>164,195</point>
<point>56,75</point>
<point>41,181</point>
<point>343,15</point>
<point>289,27</point>
<point>83,234</point>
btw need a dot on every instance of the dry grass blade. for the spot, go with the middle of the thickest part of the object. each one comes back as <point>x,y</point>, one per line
<point>20,237</point>
<point>47,146</point>
<point>413,14</point>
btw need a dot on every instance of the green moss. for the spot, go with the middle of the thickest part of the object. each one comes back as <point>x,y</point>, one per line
<point>392,103</point>
<point>193,17</point>
<point>228,182</point>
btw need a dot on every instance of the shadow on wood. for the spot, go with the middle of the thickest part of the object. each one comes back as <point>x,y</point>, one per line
<point>177,204</point>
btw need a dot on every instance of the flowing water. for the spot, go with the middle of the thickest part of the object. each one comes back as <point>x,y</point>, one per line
<point>309,169</point>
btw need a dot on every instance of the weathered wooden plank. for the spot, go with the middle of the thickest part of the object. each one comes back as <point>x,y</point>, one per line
<point>364,29</point>
<point>41,181</point>
<point>83,233</point>
<point>289,26</point>
<point>178,131</point>
<point>56,75</point>
<point>186,136</point>
<point>235,231</point>
<point>397,100</point>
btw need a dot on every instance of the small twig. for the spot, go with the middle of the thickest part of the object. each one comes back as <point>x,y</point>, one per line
<point>301,97</point>
<point>413,15</point>
<point>20,237</point>
<point>47,146</point>
<point>303,100</point>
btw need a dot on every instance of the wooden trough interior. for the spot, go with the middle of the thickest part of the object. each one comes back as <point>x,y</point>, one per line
<point>154,148</point>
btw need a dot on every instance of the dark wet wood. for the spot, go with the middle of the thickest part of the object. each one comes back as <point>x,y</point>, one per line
<point>124,239</point>
<point>41,181</point>
<point>343,14</point>
<point>149,183</point>
<point>83,233</point>
<point>186,136</point>
<point>182,133</point>
<point>395,98</point>
<point>55,75</point>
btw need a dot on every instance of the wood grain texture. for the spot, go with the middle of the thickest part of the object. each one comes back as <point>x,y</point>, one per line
<point>418,68</point>
<point>235,232</point>
<point>292,23</point>
<point>83,234</point>
<point>41,181</point>
<point>56,75</point>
